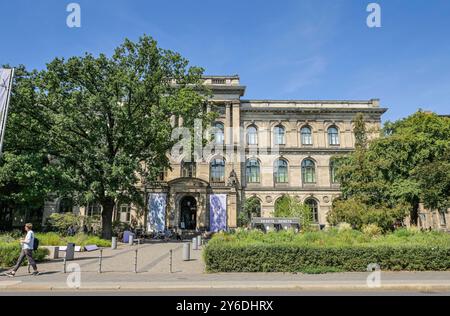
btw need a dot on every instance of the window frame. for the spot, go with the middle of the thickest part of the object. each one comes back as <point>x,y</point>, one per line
<point>277,135</point>
<point>302,135</point>
<point>306,169</point>
<point>333,138</point>
<point>212,175</point>
<point>276,172</point>
<point>249,176</point>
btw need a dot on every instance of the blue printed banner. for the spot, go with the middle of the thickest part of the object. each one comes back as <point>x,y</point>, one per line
<point>218,212</point>
<point>157,212</point>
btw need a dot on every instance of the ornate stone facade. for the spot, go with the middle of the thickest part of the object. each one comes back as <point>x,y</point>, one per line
<point>266,147</point>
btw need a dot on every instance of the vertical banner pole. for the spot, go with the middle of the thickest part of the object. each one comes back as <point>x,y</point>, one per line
<point>5,110</point>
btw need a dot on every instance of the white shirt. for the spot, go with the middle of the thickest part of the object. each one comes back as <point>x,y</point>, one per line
<point>29,241</point>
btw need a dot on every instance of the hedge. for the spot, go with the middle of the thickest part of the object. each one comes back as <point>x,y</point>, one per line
<point>9,253</point>
<point>223,257</point>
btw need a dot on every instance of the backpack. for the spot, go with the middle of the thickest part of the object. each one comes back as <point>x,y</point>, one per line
<point>35,243</point>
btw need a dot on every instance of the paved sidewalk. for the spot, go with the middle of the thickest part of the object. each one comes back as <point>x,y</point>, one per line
<point>420,281</point>
<point>151,258</point>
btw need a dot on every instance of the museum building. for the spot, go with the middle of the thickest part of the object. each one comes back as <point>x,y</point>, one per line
<point>272,148</point>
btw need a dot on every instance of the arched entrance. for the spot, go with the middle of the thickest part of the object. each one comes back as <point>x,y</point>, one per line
<point>188,210</point>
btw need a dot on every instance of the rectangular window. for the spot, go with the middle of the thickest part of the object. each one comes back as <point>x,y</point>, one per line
<point>94,209</point>
<point>125,213</point>
<point>306,139</point>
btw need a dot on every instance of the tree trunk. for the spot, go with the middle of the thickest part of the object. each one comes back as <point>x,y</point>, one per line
<point>415,212</point>
<point>107,214</point>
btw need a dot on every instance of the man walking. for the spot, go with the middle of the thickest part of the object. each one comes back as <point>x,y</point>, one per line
<point>27,251</point>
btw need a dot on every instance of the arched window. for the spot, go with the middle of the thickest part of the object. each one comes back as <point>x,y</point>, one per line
<point>188,169</point>
<point>313,205</point>
<point>253,171</point>
<point>281,171</point>
<point>333,177</point>
<point>279,135</point>
<point>333,136</point>
<point>252,135</point>
<point>217,170</point>
<point>306,135</point>
<point>218,133</point>
<point>308,171</point>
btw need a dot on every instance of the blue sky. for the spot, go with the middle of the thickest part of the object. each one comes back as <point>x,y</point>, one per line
<point>285,49</point>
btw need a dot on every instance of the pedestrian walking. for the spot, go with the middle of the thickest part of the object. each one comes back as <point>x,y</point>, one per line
<point>28,245</point>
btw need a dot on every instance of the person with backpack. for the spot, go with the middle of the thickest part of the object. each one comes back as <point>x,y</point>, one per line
<point>28,244</point>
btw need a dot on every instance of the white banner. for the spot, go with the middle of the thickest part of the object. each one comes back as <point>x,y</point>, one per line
<point>5,83</point>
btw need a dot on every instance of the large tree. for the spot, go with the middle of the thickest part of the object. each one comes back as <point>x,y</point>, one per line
<point>108,119</point>
<point>386,173</point>
<point>27,176</point>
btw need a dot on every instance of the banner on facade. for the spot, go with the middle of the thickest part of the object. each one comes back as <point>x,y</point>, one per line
<point>6,76</point>
<point>218,212</point>
<point>157,212</point>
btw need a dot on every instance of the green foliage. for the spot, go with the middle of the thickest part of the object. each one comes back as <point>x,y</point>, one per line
<point>434,180</point>
<point>55,239</point>
<point>330,251</point>
<point>358,214</point>
<point>252,208</point>
<point>372,230</point>
<point>360,131</point>
<point>401,166</point>
<point>288,207</point>
<point>62,222</point>
<point>104,122</point>
<point>10,252</point>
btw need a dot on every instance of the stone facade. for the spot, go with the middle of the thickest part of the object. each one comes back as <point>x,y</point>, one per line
<point>266,131</point>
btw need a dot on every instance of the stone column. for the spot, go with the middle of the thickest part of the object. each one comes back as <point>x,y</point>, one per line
<point>228,124</point>
<point>236,123</point>
<point>232,209</point>
<point>180,121</point>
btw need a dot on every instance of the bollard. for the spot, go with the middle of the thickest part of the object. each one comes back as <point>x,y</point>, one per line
<point>170,260</point>
<point>131,240</point>
<point>100,261</point>
<point>135,260</point>
<point>187,251</point>
<point>199,241</point>
<point>114,243</point>
<point>194,243</point>
<point>65,270</point>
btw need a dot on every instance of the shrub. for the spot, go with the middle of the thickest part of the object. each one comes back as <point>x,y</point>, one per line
<point>54,239</point>
<point>330,251</point>
<point>344,226</point>
<point>358,214</point>
<point>9,253</point>
<point>371,230</point>
<point>62,222</point>
<point>295,258</point>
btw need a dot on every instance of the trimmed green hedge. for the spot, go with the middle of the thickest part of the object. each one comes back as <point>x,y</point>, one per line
<point>293,258</point>
<point>331,251</point>
<point>9,253</point>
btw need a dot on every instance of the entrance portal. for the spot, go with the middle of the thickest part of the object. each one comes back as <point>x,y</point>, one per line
<point>188,209</point>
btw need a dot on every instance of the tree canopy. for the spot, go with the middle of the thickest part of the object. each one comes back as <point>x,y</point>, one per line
<point>396,168</point>
<point>105,122</point>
